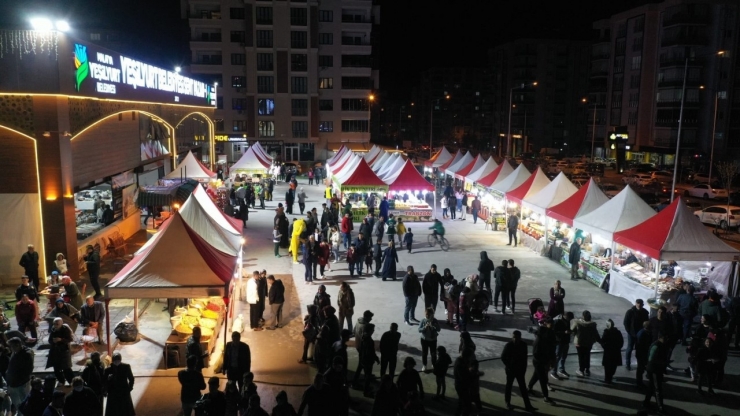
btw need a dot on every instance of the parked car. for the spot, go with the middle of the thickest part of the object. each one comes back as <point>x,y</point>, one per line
<point>628,178</point>
<point>705,191</point>
<point>610,189</point>
<point>723,215</point>
<point>578,168</point>
<point>701,178</point>
<point>642,179</point>
<point>595,169</point>
<point>662,175</point>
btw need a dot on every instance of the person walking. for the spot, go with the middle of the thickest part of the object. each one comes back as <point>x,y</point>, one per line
<point>253,301</point>
<point>655,370</point>
<point>346,305</point>
<point>60,356</point>
<point>276,240</point>
<point>379,228</point>
<point>94,377</point>
<point>514,275</point>
<point>408,239</point>
<point>556,306</point>
<point>411,291</point>
<point>642,350</point>
<point>444,361</point>
<point>119,384</point>
<point>194,349</point>
<point>318,398</point>
<point>443,203</point>
<point>612,342</point>
<point>92,262</point>
<point>461,371</point>
<point>276,298</point>
<point>368,358</point>
<point>585,335</point>
<point>310,259</point>
<point>688,307</point>
<point>352,257</point>
<point>334,238</point>
<point>19,370</point>
<point>243,212</point>
<point>323,258</point>
<point>463,308</point>
<point>500,276</point>
<point>543,353</point>
<point>463,203</point>
<point>452,203</point>
<point>485,268</point>
<point>378,256</point>
<point>310,331</point>
<point>359,331</point>
<point>430,287</point>
<point>409,380</point>
<point>429,330</point>
<point>383,209</point>
<point>389,350</point>
<point>301,195</point>
<point>346,228</point>
<point>400,231</point>
<point>191,384</point>
<point>81,401</point>
<point>561,327</point>
<point>237,360</point>
<point>387,399</point>
<point>475,208</point>
<point>633,319</point>
<point>389,260</point>
<point>30,263</point>
<point>513,226</point>
<point>391,228</point>
<point>361,249</point>
<point>574,258</point>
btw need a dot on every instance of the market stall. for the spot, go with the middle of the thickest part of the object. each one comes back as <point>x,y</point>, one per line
<point>464,161</point>
<point>373,154</point>
<point>623,211</point>
<point>252,163</point>
<point>340,152</point>
<point>395,161</point>
<point>438,159</point>
<point>262,152</point>
<point>690,251</point>
<point>380,161</point>
<point>492,204</point>
<point>530,221</point>
<point>178,264</point>
<point>357,185</point>
<point>586,199</point>
<point>191,168</point>
<point>534,207</point>
<point>474,165</point>
<point>451,162</point>
<point>166,192</point>
<point>407,191</point>
<point>475,174</point>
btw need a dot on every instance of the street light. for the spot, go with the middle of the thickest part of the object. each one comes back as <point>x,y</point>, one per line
<point>177,69</point>
<point>431,119</point>
<point>593,129</point>
<point>511,99</point>
<point>370,100</point>
<point>44,24</point>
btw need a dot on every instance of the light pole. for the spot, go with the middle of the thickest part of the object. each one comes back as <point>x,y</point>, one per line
<point>511,99</point>
<point>714,133</point>
<point>431,121</point>
<point>593,130</point>
<point>370,100</point>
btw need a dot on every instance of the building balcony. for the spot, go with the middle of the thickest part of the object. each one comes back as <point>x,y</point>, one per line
<point>677,104</point>
<point>356,19</point>
<point>206,37</point>
<point>599,74</point>
<point>686,19</point>
<point>356,71</point>
<point>684,40</point>
<point>205,15</point>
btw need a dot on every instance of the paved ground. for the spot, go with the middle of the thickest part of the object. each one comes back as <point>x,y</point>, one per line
<point>275,353</point>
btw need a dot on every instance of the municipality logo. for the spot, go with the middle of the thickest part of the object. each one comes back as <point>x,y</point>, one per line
<point>82,66</point>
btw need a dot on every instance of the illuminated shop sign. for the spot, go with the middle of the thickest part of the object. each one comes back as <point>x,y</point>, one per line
<point>105,74</point>
<point>228,138</point>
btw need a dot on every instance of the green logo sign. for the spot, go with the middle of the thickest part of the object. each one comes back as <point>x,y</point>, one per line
<point>82,66</point>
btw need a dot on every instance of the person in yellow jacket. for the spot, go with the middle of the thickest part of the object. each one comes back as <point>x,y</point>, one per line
<point>327,192</point>
<point>299,226</point>
<point>400,230</point>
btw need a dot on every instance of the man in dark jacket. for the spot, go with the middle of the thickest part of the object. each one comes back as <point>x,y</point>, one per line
<point>633,320</point>
<point>359,329</point>
<point>191,382</point>
<point>82,401</point>
<point>561,327</point>
<point>92,262</point>
<point>368,357</point>
<point>25,288</point>
<point>574,258</point>
<point>431,286</point>
<point>501,278</point>
<point>92,315</point>
<point>687,307</point>
<point>514,275</point>
<point>194,349</point>
<point>513,225</point>
<point>642,348</point>
<point>20,368</point>
<point>656,369</point>
<point>485,267</point>
<point>378,256</point>
<point>543,353</point>
<point>30,263</point>
<point>237,360</point>
<point>262,292</point>
<point>276,297</point>
<point>389,350</point>
<point>514,358</point>
<point>411,291</point>
<point>361,247</point>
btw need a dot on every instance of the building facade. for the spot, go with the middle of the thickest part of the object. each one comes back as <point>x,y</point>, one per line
<point>640,59</point>
<point>455,104</point>
<point>549,114</point>
<point>295,75</point>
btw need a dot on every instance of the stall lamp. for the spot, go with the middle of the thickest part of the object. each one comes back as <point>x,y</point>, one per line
<point>709,264</point>
<point>51,198</point>
<point>244,241</point>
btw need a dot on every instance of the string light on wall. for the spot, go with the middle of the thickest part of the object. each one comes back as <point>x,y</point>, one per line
<point>24,42</point>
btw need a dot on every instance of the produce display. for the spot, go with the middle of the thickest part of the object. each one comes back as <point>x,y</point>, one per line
<point>204,313</point>
<point>532,229</point>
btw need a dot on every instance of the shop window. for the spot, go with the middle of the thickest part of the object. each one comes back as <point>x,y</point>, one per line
<point>307,152</point>
<point>266,129</point>
<point>265,106</point>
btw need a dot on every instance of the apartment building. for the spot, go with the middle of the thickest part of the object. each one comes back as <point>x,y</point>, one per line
<point>640,58</point>
<point>455,104</point>
<point>550,114</point>
<point>294,75</point>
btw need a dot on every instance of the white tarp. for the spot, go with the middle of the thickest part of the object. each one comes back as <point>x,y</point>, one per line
<point>252,160</point>
<point>380,161</point>
<point>391,168</point>
<point>461,163</point>
<point>443,157</point>
<point>191,168</point>
<point>623,211</point>
<point>554,193</point>
<point>484,170</point>
<point>206,219</point>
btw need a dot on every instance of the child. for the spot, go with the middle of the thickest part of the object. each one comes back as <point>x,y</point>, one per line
<point>540,314</point>
<point>369,261</point>
<point>408,238</point>
<point>400,230</point>
<point>276,240</point>
<point>440,371</point>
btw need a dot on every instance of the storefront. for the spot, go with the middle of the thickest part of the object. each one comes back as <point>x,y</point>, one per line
<point>410,194</point>
<point>492,203</point>
<point>95,125</point>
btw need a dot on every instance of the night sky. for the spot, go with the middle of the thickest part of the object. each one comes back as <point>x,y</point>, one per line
<point>415,34</point>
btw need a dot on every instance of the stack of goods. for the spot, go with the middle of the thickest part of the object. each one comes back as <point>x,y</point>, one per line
<point>204,313</point>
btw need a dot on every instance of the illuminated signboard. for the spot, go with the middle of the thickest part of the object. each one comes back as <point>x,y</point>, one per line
<point>102,73</point>
<point>618,136</point>
<point>228,138</point>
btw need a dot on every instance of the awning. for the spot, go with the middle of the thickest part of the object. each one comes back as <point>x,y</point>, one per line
<point>172,192</point>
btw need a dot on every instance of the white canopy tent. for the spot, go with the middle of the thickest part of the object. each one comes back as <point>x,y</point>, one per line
<point>251,161</point>
<point>261,151</point>
<point>191,168</point>
<point>441,157</point>
<point>512,181</point>
<point>461,163</point>
<point>379,161</point>
<point>384,162</point>
<point>554,193</point>
<point>484,170</point>
<point>623,211</point>
<point>391,168</point>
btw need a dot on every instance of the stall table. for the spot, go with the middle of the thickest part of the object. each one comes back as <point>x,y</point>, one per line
<point>174,342</point>
<point>624,287</point>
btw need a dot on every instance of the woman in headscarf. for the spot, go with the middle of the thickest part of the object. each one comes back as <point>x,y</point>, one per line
<point>389,260</point>
<point>612,342</point>
<point>60,264</point>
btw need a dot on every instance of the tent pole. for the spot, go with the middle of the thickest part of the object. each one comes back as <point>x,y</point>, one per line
<point>107,324</point>
<point>136,313</point>
<point>657,276</point>
<point>547,221</point>
<point>611,254</point>
<point>434,201</point>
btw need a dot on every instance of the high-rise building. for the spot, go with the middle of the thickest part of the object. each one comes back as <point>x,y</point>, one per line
<point>545,80</point>
<point>455,103</point>
<point>640,59</point>
<point>295,75</point>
